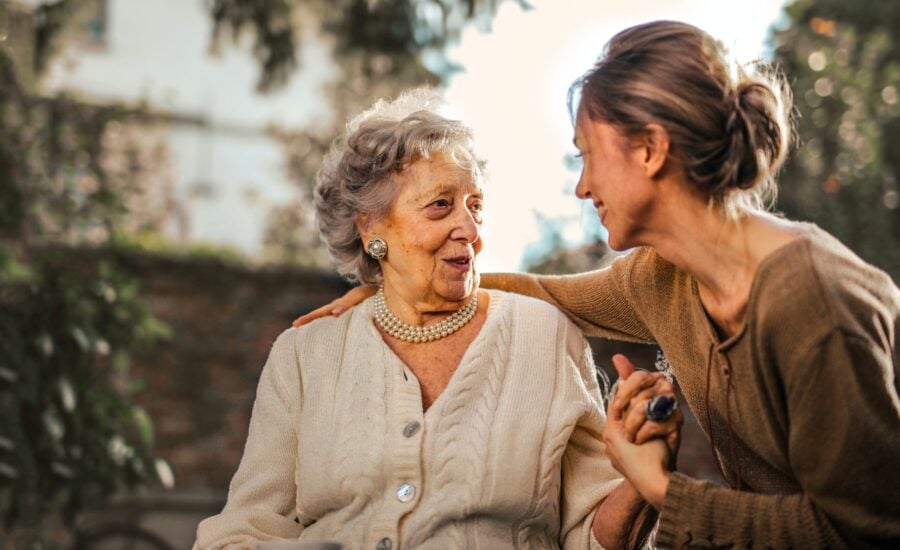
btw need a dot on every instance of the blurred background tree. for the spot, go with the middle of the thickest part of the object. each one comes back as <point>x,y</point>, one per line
<point>69,430</point>
<point>842,60</point>
<point>81,175</point>
<point>382,47</point>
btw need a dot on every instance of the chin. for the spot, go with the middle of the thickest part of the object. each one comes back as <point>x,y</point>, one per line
<point>459,290</point>
<point>617,243</point>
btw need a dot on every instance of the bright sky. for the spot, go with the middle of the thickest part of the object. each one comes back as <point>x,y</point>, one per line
<point>513,94</point>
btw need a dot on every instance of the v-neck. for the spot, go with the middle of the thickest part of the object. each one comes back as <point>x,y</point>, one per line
<point>496,301</point>
<point>766,264</point>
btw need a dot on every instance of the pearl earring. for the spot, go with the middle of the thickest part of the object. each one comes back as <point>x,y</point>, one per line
<point>377,248</point>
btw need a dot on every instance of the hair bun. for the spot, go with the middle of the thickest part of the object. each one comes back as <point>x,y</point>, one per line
<point>729,125</point>
<point>758,128</point>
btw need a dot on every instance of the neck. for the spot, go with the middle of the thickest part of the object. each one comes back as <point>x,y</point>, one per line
<point>722,254</point>
<point>420,310</point>
<point>715,250</point>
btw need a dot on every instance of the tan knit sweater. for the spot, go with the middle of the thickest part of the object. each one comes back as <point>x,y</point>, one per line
<point>509,456</point>
<point>803,409</point>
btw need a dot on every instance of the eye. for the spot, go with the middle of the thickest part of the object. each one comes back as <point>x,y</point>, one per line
<point>440,203</point>
<point>579,155</point>
<point>476,208</point>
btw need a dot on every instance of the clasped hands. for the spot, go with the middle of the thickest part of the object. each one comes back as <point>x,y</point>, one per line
<point>642,450</point>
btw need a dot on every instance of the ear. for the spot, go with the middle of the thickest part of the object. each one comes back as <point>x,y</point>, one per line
<point>363,223</point>
<point>656,150</point>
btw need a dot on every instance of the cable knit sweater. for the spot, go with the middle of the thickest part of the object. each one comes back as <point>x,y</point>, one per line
<point>803,405</point>
<point>509,455</point>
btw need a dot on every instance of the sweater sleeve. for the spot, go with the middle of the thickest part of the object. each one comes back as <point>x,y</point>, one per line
<point>599,302</point>
<point>587,474</point>
<point>844,440</point>
<point>261,498</point>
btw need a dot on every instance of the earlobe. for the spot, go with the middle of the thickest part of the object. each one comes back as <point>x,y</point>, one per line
<point>656,150</point>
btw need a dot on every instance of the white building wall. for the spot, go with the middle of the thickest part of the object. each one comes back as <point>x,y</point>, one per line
<point>227,171</point>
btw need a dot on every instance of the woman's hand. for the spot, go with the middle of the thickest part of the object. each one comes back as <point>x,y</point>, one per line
<point>634,391</point>
<point>645,465</point>
<point>642,450</point>
<point>353,297</point>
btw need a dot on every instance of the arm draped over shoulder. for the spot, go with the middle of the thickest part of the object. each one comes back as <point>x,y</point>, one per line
<point>599,302</point>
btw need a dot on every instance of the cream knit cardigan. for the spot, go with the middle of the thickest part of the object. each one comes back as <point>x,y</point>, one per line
<point>509,456</point>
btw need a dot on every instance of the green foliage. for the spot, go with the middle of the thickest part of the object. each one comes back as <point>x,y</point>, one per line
<point>392,31</point>
<point>843,63</point>
<point>50,161</point>
<point>154,243</point>
<point>274,34</point>
<point>69,431</point>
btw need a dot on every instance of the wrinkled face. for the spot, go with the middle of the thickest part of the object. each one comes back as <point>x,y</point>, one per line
<point>613,178</point>
<point>433,233</point>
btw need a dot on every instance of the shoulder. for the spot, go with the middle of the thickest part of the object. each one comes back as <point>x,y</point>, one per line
<point>309,345</point>
<point>520,308</point>
<point>822,276</point>
<point>329,328</point>
<point>844,277</point>
<point>815,286</point>
<point>546,322</point>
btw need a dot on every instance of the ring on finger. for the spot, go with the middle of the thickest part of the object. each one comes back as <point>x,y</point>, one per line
<point>661,408</point>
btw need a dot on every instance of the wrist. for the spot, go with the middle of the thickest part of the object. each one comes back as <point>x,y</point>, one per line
<point>655,491</point>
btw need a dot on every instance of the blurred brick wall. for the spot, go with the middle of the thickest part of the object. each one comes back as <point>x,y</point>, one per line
<point>201,383</point>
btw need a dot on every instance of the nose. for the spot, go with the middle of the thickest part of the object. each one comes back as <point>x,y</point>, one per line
<point>581,189</point>
<point>467,227</point>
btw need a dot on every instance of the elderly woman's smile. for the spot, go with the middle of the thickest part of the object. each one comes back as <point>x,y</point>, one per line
<point>433,235</point>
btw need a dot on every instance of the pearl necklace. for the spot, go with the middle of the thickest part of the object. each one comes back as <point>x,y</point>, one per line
<point>411,333</point>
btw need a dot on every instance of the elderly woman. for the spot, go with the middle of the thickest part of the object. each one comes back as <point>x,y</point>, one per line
<point>437,415</point>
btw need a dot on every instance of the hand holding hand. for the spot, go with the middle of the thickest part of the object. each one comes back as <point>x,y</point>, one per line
<point>642,450</point>
<point>635,390</point>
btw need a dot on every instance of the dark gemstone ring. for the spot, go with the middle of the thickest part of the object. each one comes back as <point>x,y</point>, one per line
<point>661,408</point>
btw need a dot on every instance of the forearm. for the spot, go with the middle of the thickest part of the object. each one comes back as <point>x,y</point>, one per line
<point>517,283</point>
<point>700,510</point>
<point>595,301</point>
<point>623,519</point>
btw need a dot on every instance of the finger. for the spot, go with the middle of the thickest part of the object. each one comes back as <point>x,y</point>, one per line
<point>358,294</point>
<point>353,298</point>
<point>650,430</point>
<point>623,366</point>
<point>337,306</point>
<point>664,386</point>
<point>630,388</point>
<point>317,313</point>
<point>646,386</point>
<point>674,442</point>
<point>634,418</point>
<point>663,429</point>
<point>635,415</point>
<point>611,443</point>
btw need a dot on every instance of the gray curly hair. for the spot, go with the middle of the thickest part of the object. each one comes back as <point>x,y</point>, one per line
<point>359,172</point>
